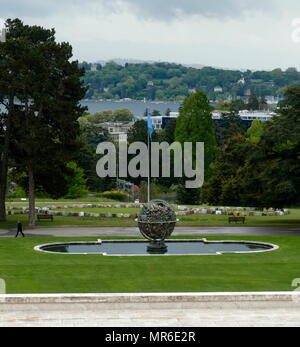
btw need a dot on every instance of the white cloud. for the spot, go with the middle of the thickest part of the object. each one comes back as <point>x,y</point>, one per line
<point>168,9</point>
<point>233,34</point>
<point>162,9</point>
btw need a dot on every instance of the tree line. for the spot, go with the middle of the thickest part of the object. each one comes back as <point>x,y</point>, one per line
<point>259,167</point>
<point>167,81</point>
<point>256,167</point>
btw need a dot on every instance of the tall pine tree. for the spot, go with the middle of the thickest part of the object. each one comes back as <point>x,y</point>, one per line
<point>45,88</point>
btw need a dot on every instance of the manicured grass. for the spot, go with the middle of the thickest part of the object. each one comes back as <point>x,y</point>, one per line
<point>193,220</point>
<point>49,202</point>
<point>69,221</point>
<point>292,219</point>
<point>101,210</point>
<point>28,271</point>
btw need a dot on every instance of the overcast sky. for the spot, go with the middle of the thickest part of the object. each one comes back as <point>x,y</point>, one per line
<point>241,34</point>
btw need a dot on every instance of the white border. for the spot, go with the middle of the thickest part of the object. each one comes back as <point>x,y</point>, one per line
<point>204,240</point>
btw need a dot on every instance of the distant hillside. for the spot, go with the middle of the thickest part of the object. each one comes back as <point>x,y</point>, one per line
<point>123,62</point>
<point>170,81</point>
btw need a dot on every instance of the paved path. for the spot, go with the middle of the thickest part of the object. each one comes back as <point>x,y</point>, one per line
<point>152,310</point>
<point>134,232</point>
<point>93,316</point>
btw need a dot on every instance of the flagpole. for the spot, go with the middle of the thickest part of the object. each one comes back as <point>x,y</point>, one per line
<point>150,130</point>
<point>149,172</point>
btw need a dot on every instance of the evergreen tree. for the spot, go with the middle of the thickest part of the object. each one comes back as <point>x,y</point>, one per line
<point>155,113</point>
<point>256,131</point>
<point>76,182</point>
<point>43,127</point>
<point>195,125</point>
<point>138,132</point>
<point>263,104</point>
<point>168,111</point>
<point>169,132</point>
<point>91,136</point>
<point>223,187</point>
<point>253,103</point>
<point>229,125</point>
<point>272,173</point>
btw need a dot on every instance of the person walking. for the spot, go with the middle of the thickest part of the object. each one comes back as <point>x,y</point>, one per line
<point>20,229</point>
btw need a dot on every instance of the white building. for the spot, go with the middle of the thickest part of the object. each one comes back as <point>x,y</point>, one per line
<point>160,122</point>
<point>247,115</point>
<point>218,89</point>
<point>256,115</point>
<point>94,67</point>
<point>117,130</point>
<point>272,100</point>
<point>242,81</point>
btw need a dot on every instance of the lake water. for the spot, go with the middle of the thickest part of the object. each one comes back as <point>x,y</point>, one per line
<point>192,247</point>
<point>136,107</point>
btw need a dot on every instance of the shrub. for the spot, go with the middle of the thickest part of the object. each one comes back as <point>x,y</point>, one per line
<point>17,193</point>
<point>114,195</point>
<point>76,183</point>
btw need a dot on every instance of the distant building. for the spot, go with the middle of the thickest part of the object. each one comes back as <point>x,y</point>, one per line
<point>150,84</point>
<point>272,100</point>
<point>242,81</point>
<point>157,122</point>
<point>192,90</point>
<point>160,122</point>
<point>218,89</point>
<point>117,130</point>
<point>247,115</point>
<point>94,67</point>
<point>256,115</point>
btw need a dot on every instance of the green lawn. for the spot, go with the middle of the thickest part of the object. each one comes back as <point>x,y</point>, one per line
<point>193,220</point>
<point>212,220</point>
<point>28,271</point>
<point>49,202</point>
<point>100,210</point>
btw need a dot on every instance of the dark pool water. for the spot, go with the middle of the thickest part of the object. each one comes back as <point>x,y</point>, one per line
<point>140,248</point>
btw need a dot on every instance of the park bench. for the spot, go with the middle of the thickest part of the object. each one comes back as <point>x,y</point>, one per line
<point>237,220</point>
<point>44,216</point>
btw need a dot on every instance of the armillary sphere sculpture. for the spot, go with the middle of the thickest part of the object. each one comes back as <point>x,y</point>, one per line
<point>156,222</point>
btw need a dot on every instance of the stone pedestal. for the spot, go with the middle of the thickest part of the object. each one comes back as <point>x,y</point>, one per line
<point>157,247</point>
